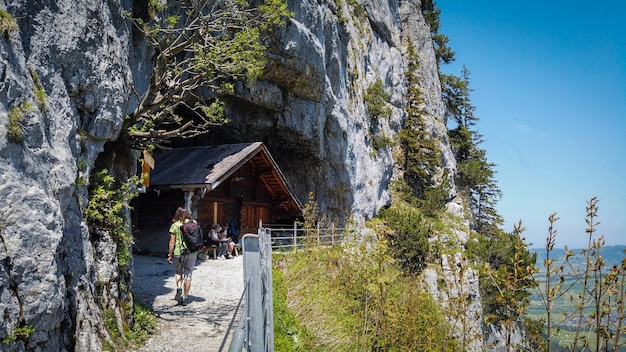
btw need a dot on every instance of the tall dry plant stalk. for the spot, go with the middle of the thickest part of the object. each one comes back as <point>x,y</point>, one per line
<point>598,315</point>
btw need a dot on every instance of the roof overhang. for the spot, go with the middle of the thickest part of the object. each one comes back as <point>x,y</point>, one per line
<point>205,168</point>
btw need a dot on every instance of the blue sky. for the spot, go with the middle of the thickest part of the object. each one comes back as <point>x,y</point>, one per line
<point>549,86</point>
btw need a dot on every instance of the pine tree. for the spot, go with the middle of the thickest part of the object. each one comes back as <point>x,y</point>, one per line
<point>475,178</point>
<point>456,93</point>
<point>421,156</point>
<point>443,52</point>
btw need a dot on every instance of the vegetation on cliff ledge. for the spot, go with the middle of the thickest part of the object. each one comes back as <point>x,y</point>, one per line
<point>355,298</point>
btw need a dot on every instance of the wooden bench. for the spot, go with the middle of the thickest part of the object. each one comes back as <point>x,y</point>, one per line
<point>213,249</point>
<point>204,252</point>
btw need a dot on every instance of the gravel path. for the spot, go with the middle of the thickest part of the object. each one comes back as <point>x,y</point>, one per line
<point>216,288</point>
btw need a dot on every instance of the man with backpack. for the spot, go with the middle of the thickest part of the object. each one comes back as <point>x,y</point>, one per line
<point>181,254</point>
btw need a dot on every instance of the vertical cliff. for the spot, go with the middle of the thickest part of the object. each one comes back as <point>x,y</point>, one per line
<point>309,108</point>
<point>64,85</point>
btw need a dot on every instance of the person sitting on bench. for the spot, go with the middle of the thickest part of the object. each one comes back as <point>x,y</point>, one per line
<point>224,244</point>
<point>230,240</point>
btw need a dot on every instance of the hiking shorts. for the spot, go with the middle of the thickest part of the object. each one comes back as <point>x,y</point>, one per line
<point>185,264</point>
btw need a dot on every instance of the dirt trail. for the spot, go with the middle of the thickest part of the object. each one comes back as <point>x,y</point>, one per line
<point>216,288</point>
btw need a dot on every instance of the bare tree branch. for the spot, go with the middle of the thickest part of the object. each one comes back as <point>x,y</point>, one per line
<point>198,44</point>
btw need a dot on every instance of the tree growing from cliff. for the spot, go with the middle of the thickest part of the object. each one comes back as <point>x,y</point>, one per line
<point>376,101</point>
<point>421,157</point>
<point>475,178</point>
<point>455,92</point>
<point>201,49</point>
<point>443,52</point>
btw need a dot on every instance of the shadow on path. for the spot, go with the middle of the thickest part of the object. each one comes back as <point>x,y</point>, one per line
<point>216,288</point>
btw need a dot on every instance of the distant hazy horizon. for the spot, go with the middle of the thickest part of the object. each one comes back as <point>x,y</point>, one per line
<point>623,246</point>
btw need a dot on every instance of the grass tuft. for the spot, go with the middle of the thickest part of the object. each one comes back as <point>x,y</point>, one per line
<point>7,24</point>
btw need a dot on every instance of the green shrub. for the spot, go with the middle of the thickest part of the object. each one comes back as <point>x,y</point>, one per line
<point>143,325</point>
<point>40,93</point>
<point>110,323</point>
<point>382,141</point>
<point>20,333</point>
<point>409,233</point>
<point>376,101</point>
<point>507,264</point>
<point>354,298</point>
<point>105,210</point>
<point>15,128</point>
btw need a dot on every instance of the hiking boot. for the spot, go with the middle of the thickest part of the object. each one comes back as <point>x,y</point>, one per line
<point>179,294</point>
<point>183,301</point>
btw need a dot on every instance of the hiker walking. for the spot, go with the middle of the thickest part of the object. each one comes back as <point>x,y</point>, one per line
<point>183,261</point>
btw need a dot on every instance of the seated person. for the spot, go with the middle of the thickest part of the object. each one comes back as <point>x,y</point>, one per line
<point>224,244</point>
<point>232,231</point>
<point>210,239</point>
<point>230,242</point>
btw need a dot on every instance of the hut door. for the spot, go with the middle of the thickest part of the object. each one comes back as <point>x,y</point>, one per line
<point>250,217</point>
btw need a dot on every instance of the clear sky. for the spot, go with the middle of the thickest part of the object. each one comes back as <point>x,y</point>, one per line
<point>549,86</point>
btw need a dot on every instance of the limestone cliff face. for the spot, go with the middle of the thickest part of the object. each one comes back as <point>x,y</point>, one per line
<point>308,108</point>
<point>77,51</point>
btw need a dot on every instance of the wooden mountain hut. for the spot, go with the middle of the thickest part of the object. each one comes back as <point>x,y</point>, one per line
<point>233,182</point>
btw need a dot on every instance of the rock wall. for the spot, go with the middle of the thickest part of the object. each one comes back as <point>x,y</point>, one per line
<point>77,52</point>
<point>454,284</point>
<point>309,109</point>
<point>309,106</point>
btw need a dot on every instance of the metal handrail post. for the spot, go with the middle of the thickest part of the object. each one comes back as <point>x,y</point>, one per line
<point>295,235</point>
<point>252,275</point>
<point>268,301</point>
<point>239,335</point>
<point>317,233</point>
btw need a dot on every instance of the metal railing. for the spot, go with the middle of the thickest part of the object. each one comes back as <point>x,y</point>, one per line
<point>255,330</point>
<point>292,237</point>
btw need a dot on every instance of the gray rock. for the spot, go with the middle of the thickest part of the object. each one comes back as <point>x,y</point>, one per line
<point>324,60</point>
<point>79,52</point>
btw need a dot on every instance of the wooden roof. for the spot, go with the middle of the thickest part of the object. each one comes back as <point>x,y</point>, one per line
<point>207,167</point>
